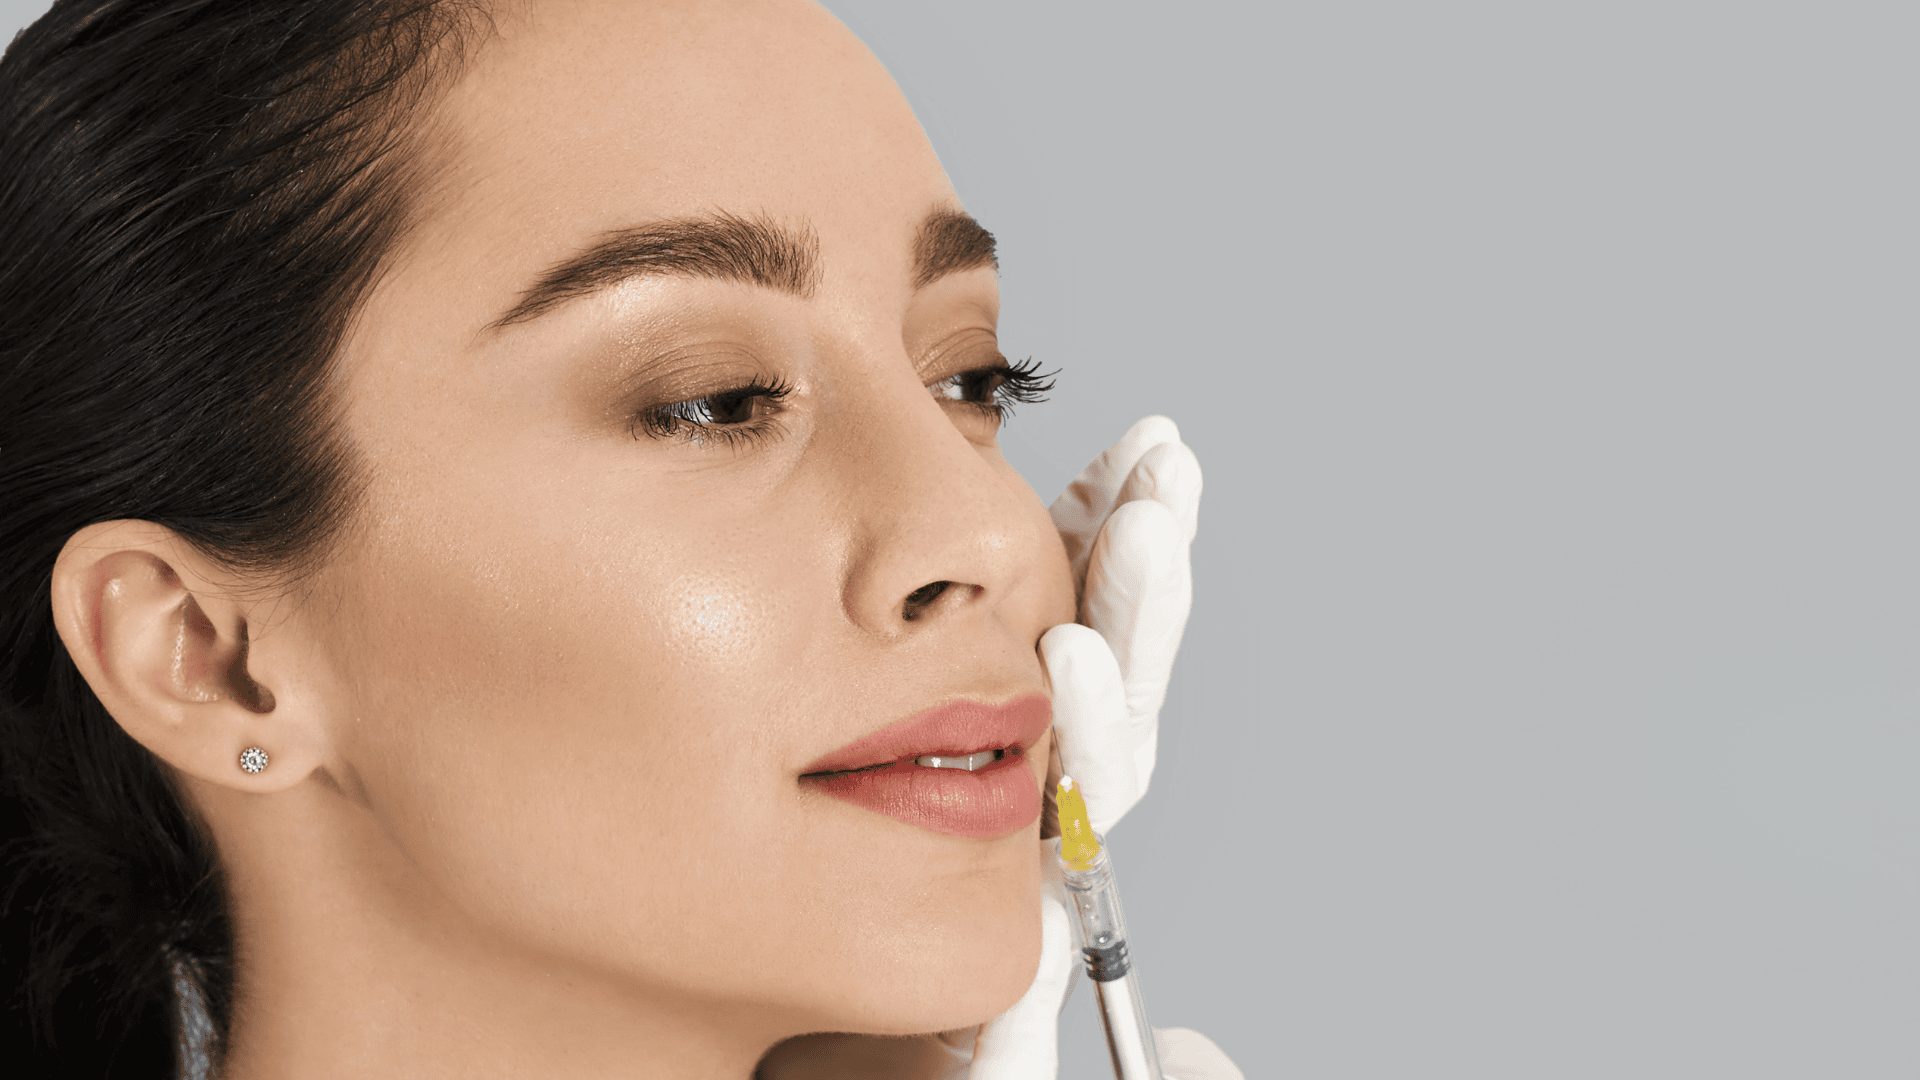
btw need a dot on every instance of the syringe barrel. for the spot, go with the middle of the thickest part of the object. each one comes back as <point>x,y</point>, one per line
<point>1103,948</point>
<point>1096,904</point>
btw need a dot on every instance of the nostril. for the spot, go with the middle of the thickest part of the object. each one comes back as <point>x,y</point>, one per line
<point>918,599</point>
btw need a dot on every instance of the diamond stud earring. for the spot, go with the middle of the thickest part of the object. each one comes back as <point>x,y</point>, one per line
<point>253,759</point>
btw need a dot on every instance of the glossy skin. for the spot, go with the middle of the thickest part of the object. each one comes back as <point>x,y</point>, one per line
<point>537,729</point>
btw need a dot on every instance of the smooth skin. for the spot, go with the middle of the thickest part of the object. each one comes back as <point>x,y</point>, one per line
<point>536,727</point>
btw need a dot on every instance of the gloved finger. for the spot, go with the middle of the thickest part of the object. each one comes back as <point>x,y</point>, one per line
<point>1139,592</point>
<point>1090,719</point>
<point>1168,474</point>
<point>1023,1043</point>
<point>1081,509</point>
<point>1185,1054</point>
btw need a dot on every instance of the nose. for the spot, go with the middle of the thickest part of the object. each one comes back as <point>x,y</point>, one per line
<point>943,528</point>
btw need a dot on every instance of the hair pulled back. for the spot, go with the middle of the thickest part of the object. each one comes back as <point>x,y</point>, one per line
<point>195,196</point>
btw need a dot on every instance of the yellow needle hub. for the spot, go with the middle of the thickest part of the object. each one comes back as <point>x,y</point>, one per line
<point>1078,845</point>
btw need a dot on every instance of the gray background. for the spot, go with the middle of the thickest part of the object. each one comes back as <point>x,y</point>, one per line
<point>1550,703</point>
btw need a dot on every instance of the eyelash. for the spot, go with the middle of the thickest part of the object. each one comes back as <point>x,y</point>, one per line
<point>696,420</point>
<point>1021,383</point>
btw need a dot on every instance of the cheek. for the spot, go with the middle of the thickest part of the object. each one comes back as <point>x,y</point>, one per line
<point>1050,590</point>
<point>554,730</point>
<point>709,617</point>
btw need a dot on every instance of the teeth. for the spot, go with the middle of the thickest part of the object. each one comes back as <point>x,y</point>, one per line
<point>971,762</point>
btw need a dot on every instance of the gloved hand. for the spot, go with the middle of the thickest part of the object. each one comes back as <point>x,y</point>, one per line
<point>1127,522</point>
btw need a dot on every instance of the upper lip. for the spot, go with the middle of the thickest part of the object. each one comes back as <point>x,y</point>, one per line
<point>957,727</point>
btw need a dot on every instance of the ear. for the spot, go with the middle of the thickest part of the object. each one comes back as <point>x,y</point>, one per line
<point>162,636</point>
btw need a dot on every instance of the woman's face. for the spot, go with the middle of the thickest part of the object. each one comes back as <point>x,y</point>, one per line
<point>670,437</point>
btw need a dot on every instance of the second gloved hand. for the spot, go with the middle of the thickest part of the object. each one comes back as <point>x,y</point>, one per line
<point>1127,522</point>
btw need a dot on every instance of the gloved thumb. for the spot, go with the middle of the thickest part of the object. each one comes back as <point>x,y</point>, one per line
<point>1091,721</point>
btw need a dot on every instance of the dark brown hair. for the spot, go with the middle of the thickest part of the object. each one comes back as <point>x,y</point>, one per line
<point>196,195</point>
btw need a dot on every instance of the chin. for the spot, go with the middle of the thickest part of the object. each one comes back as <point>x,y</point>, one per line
<point>966,987</point>
<point>963,960</point>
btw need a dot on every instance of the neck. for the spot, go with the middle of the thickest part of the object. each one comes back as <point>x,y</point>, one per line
<point>347,963</point>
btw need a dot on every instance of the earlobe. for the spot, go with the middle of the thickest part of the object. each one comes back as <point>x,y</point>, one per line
<point>164,645</point>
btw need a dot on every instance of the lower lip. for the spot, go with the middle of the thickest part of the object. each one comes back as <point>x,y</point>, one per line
<point>996,801</point>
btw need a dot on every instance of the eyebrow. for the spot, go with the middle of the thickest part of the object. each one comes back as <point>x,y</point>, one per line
<point>727,247</point>
<point>752,251</point>
<point>950,241</point>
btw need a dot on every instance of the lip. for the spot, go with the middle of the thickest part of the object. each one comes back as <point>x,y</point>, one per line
<point>876,772</point>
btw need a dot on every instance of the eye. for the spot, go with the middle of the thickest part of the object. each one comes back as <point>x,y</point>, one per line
<point>994,390</point>
<point>740,414</point>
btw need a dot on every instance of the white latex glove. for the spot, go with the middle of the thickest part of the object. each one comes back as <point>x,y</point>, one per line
<point>1127,522</point>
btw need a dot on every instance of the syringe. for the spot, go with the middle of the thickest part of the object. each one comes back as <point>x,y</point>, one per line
<point>1103,939</point>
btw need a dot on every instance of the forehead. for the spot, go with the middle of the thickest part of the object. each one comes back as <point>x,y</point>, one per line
<point>582,116</point>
